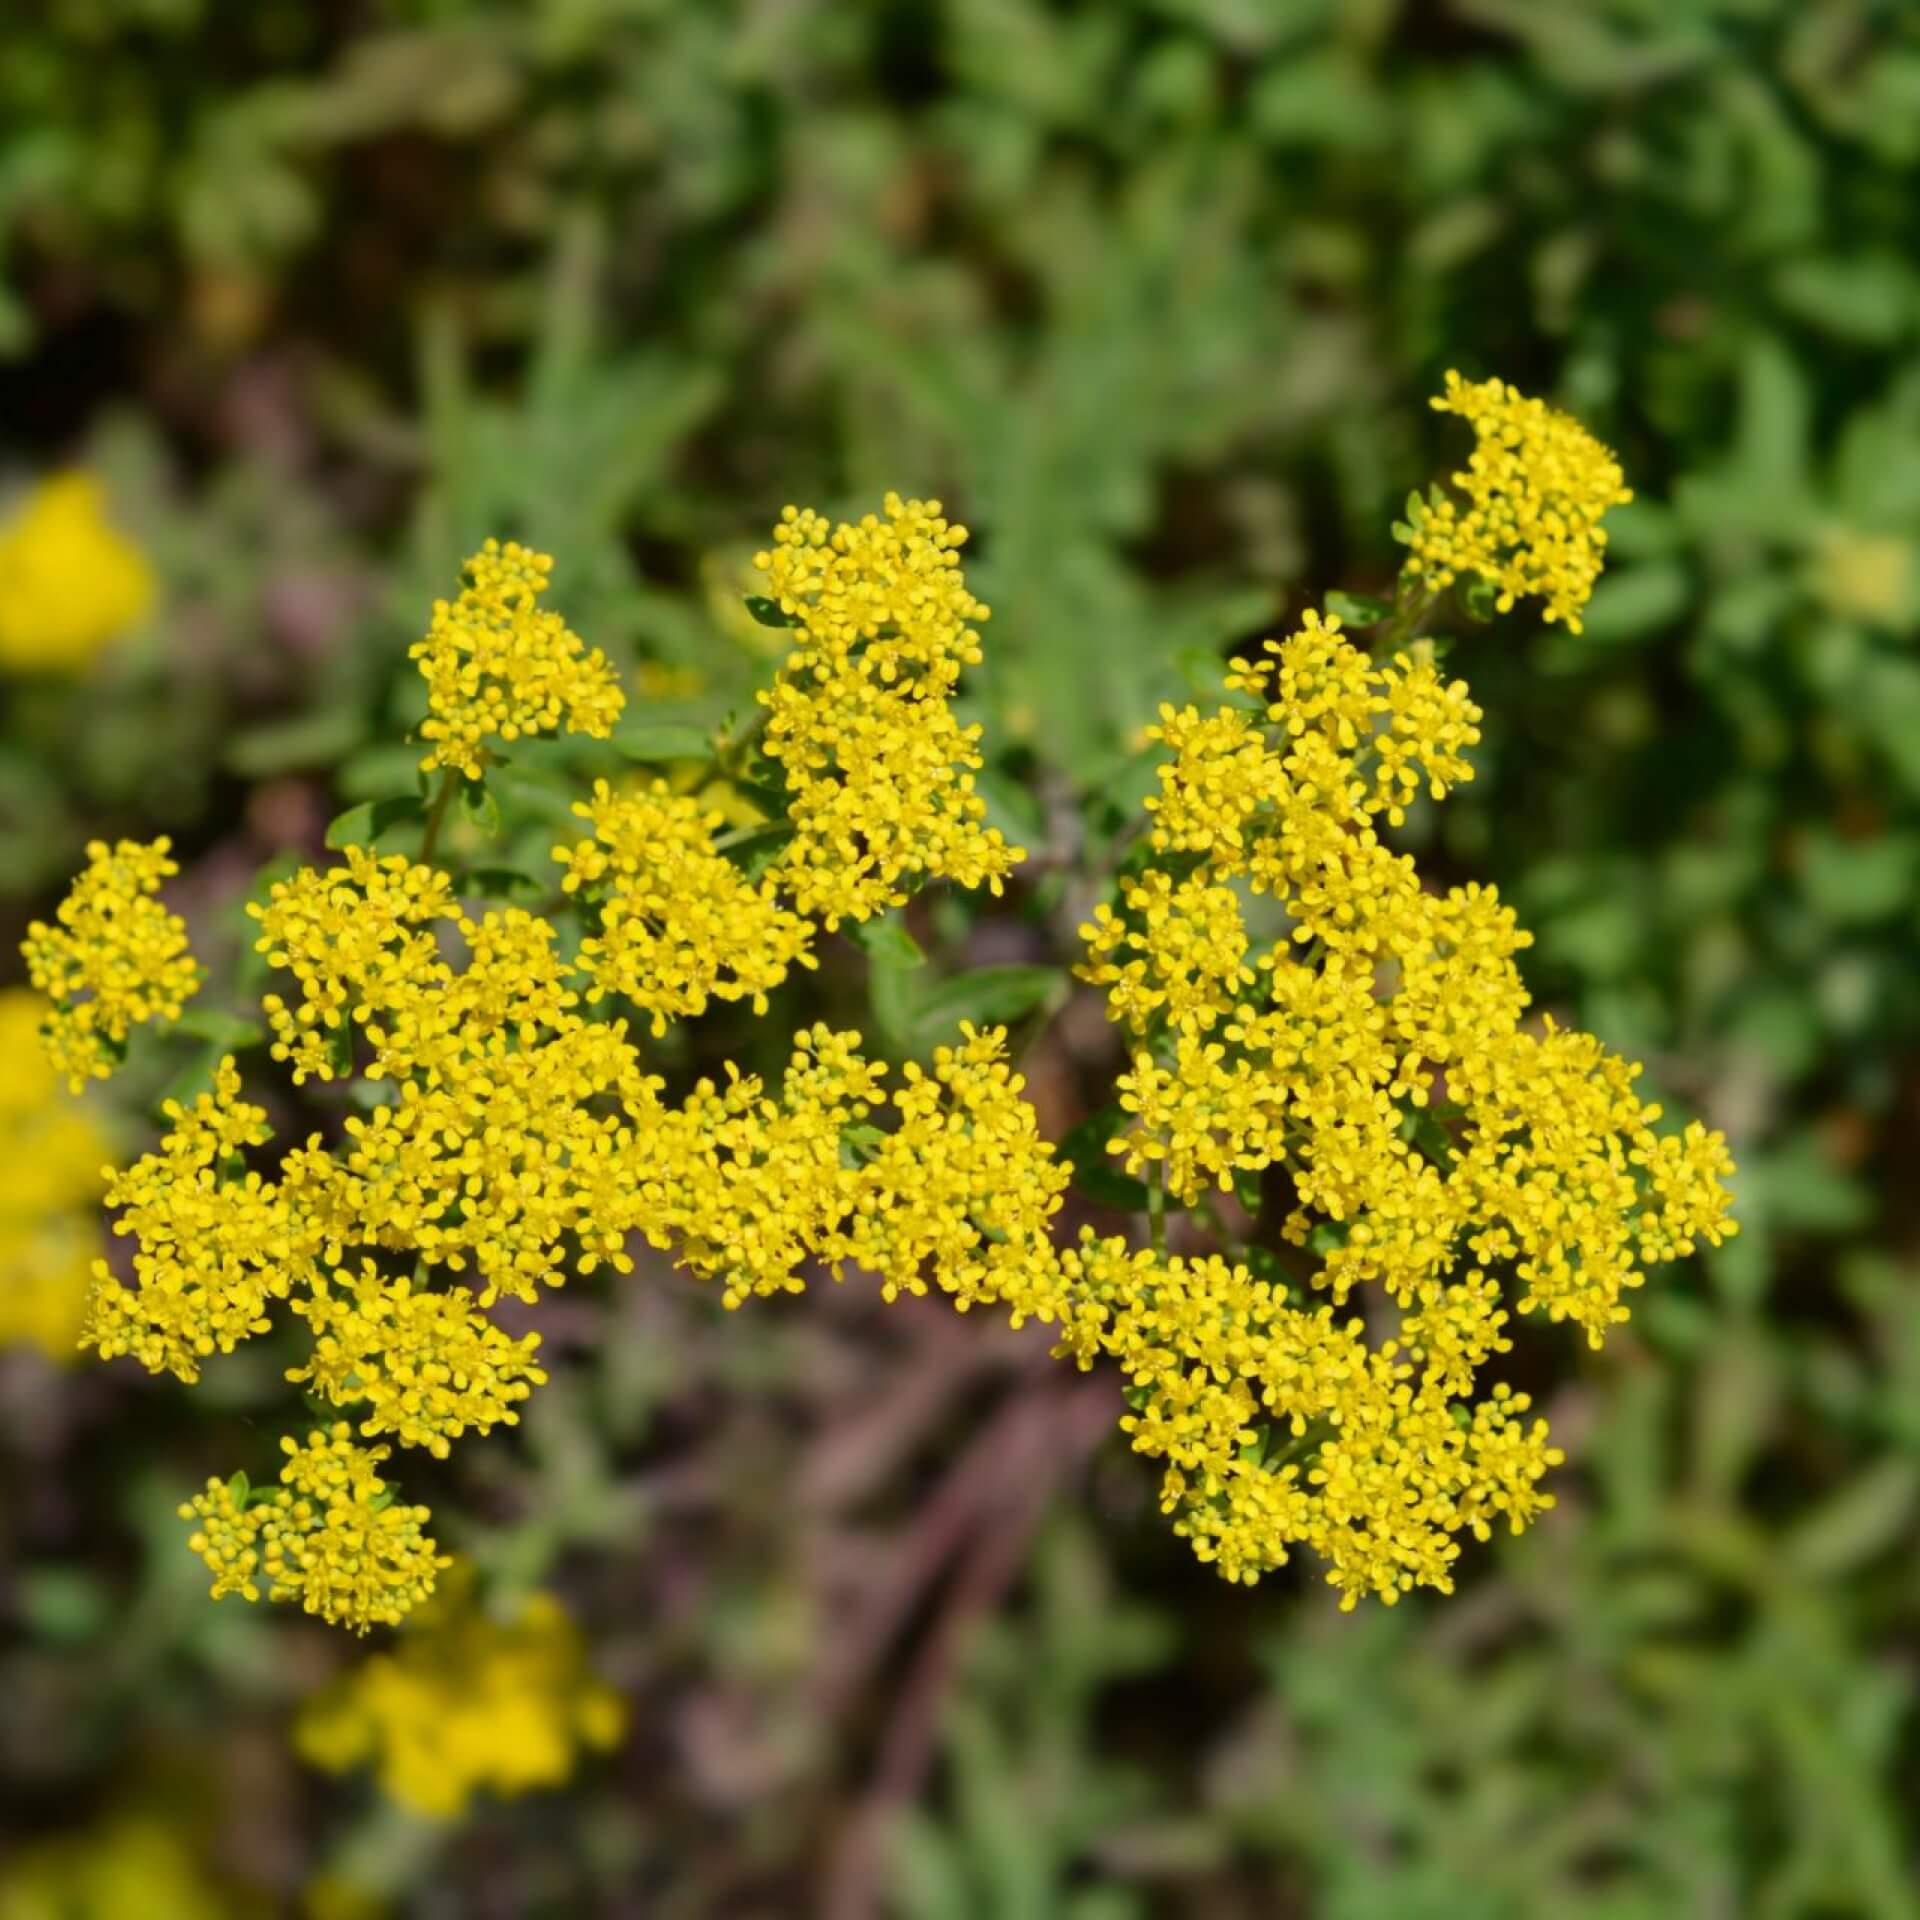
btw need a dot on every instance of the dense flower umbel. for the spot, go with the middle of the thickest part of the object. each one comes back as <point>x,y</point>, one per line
<point>465,1703</point>
<point>116,958</point>
<point>330,1536</point>
<point>1536,485</point>
<point>1370,1085</point>
<point>498,666</point>
<point>678,922</point>
<point>879,771</point>
<point>70,581</point>
<point>1377,1059</point>
<point>49,1200</point>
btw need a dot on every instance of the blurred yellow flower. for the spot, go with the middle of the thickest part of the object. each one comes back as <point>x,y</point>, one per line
<point>136,1864</point>
<point>49,1201</point>
<point>1864,576</point>
<point>464,1703</point>
<point>70,581</point>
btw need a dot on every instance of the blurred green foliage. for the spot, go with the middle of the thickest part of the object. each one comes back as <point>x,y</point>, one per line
<point>1151,291</point>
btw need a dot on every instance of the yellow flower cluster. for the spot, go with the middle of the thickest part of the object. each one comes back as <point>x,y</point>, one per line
<point>1281,1425</point>
<point>752,1189</point>
<point>116,958</point>
<point>428,1365</point>
<point>879,772</point>
<point>70,581</point>
<point>679,923</point>
<point>330,1536</point>
<point>464,1703</point>
<point>215,1241</point>
<point>1370,1082</point>
<point>499,666</point>
<point>1535,487</point>
<point>1377,1056</point>
<point>49,1229</point>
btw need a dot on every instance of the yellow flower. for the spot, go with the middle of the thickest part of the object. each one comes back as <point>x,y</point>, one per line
<point>49,1231</point>
<point>498,666</point>
<point>466,1703</point>
<point>116,959</point>
<point>1536,486</point>
<point>330,1536</point>
<point>70,581</point>
<point>1378,1050</point>
<point>216,1241</point>
<point>428,1365</point>
<point>132,1863</point>
<point>677,922</point>
<point>1439,1144</point>
<point>879,773</point>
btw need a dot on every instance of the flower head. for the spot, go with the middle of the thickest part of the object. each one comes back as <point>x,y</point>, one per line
<point>1535,487</point>
<point>330,1536</point>
<point>115,958</point>
<point>499,666</point>
<point>678,923</point>
<point>879,773</point>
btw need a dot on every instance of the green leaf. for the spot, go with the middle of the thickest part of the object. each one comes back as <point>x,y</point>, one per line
<point>1637,601</point>
<point>1096,1174</point>
<point>226,1031</point>
<point>888,943</point>
<point>363,825</point>
<point>753,852</point>
<point>240,1488</point>
<point>1357,609</point>
<point>503,883</point>
<point>1479,600</point>
<point>194,1079</point>
<point>653,744</point>
<point>291,746</point>
<point>479,806</point>
<point>769,612</point>
<point>63,1606</point>
<point>857,1143</point>
<point>990,996</point>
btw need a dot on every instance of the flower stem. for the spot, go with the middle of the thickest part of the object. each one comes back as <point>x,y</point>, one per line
<point>437,813</point>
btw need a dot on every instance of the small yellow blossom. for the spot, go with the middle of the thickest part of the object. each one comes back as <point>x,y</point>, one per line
<point>1280,1426</point>
<point>1536,486</point>
<point>216,1242</point>
<point>677,922</point>
<point>116,958</point>
<point>428,1365</point>
<point>356,938</point>
<point>330,1536</point>
<point>70,581</point>
<point>465,1703</point>
<point>499,666</point>
<point>49,1230</point>
<point>879,773</point>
